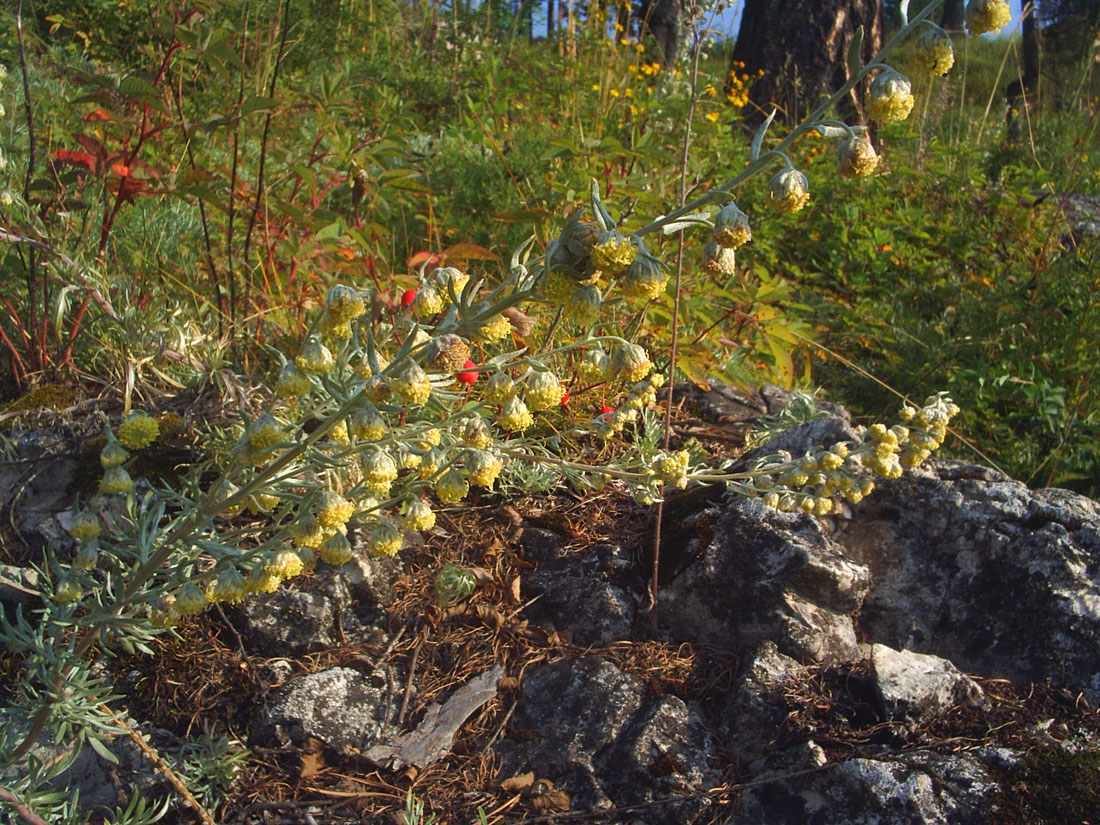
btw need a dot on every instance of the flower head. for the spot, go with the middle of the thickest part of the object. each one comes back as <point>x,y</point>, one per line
<point>594,367</point>
<point>315,359</point>
<point>85,526</point>
<point>334,510</point>
<point>475,432</point>
<point>344,303</point>
<point>544,391</point>
<point>228,587</point>
<point>719,260</point>
<point>112,455</point>
<point>336,549</point>
<point>934,55</point>
<point>419,515</point>
<point>385,539</point>
<point>138,430</point>
<point>412,386</point>
<point>285,564</point>
<point>613,253</point>
<point>452,487</point>
<point>190,600</point>
<point>265,432</point>
<point>428,301</point>
<point>447,353</point>
<point>987,16</point>
<point>630,362</point>
<point>367,424</point>
<point>483,466</point>
<point>514,416</point>
<point>645,279</point>
<point>856,157</point>
<point>891,97</point>
<point>292,382</point>
<point>731,227</point>
<point>495,329</point>
<point>789,191</point>
<point>583,305</point>
<point>116,480</point>
<point>499,388</point>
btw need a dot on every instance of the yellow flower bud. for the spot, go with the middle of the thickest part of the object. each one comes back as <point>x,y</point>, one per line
<point>385,539</point>
<point>292,382</point>
<point>789,191</point>
<point>891,97</point>
<point>987,16</point>
<point>336,549</point>
<point>856,157</point>
<point>419,515</point>
<point>85,526</point>
<point>116,480</point>
<point>138,430</point>
<point>315,359</point>
<point>452,487</point>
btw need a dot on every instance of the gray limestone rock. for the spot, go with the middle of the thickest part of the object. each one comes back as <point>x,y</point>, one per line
<point>591,729</point>
<point>339,706</point>
<point>1001,580</point>
<point>592,593</point>
<point>916,789</point>
<point>773,576</point>
<point>337,603</point>
<point>918,687</point>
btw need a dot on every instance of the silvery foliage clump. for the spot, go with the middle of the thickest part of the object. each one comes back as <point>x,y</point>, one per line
<point>394,408</point>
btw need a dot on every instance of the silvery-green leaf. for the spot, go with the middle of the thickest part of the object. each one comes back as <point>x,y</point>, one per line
<point>855,59</point>
<point>603,217</point>
<point>688,221</point>
<point>758,141</point>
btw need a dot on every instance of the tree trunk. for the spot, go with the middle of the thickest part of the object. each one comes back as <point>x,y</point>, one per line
<point>801,46</point>
<point>954,15</point>
<point>668,22</point>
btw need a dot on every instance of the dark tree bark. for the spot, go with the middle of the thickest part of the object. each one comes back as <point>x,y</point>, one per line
<point>802,48</point>
<point>668,22</point>
<point>954,15</point>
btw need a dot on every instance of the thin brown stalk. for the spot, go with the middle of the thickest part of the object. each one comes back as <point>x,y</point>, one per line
<point>263,152</point>
<point>658,517</point>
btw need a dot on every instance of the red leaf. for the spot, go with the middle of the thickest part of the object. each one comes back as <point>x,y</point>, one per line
<point>94,147</point>
<point>427,259</point>
<point>469,252</point>
<point>97,115</point>
<point>81,159</point>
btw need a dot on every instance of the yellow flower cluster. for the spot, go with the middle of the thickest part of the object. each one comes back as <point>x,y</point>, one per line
<point>856,157</point>
<point>891,98</point>
<point>138,430</point>
<point>789,191</point>
<point>613,253</point>
<point>514,416</point>
<point>987,16</point>
<point>544,391</point>
<point>933,55</point>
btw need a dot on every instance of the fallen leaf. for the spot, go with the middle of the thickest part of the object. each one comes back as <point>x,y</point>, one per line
<point>523,324</point>
<point>519,782</point>
<point>514,589</point>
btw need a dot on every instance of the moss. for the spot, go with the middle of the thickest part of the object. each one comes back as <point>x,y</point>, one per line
<point>1051,786</point>
<point>51,396</point>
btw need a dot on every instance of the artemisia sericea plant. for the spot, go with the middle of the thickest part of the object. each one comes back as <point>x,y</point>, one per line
<point>400,403</point>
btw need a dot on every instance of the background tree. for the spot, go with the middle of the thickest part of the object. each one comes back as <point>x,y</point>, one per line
<point>801,46</point>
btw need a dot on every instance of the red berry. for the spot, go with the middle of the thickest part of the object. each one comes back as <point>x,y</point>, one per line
<point>408,297</point>
<point>469,374</point>
<point>565,398</point>
<point>604,409</point>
